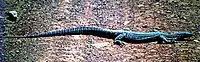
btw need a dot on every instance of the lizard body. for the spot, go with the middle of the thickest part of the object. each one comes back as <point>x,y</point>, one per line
<point>116,35</point>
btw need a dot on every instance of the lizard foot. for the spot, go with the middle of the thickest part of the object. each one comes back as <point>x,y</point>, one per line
<point>120,43</point>
<point>168,42</point>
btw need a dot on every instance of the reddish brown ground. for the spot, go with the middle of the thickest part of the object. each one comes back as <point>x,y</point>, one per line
<point>115,15</point>
<point>40,16</point>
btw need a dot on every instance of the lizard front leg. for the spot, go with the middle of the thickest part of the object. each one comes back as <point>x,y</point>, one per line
<point>118,40</point>
<point>172,40</point>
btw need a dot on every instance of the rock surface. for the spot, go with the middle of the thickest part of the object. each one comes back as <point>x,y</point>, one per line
<point>41,16</point>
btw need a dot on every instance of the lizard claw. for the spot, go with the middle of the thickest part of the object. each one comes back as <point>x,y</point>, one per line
<point>170,42</point>
<point>120,43</point>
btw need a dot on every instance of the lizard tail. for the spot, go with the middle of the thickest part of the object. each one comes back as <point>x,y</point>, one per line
<point>71,31</point>
<point>15,37</point>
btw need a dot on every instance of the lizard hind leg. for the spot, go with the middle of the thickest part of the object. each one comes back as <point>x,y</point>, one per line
<point>118,40</point>
<point>164,40</point>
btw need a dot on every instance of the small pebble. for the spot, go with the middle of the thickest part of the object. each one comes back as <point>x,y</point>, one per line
<point>140,5</point>
<point>1,17</point>
<point>90,41</point>
<point>196,40</point>
<point>14,13</point>
<point>144,26</point>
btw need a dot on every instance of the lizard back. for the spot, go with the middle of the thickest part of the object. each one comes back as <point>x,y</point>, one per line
<point>95,31</point>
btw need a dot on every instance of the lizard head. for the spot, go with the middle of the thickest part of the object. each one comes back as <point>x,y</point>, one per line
<point>183,34</point>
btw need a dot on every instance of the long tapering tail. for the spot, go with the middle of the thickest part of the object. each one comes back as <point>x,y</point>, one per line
<point>71,31</point>
<point>15,37</point>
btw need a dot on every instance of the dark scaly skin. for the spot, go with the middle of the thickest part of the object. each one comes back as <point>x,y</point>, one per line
<point>116,35</point>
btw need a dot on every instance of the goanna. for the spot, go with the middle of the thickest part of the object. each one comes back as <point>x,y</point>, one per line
<point>117,35</point>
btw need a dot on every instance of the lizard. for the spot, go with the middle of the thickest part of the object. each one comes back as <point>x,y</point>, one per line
<point>119,36</point>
